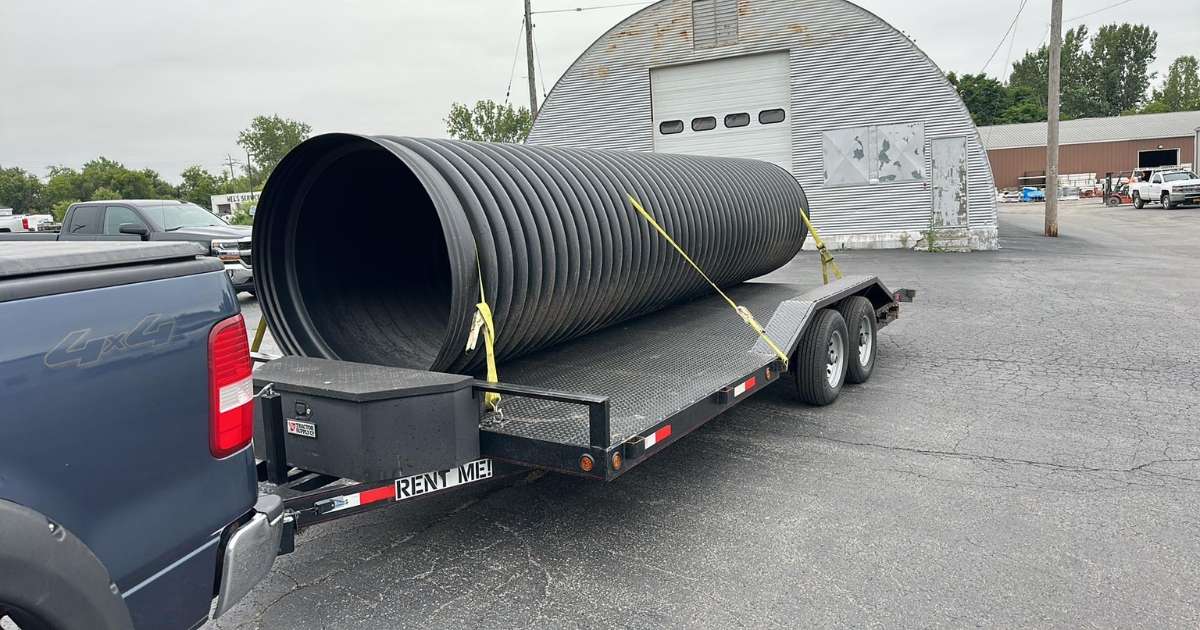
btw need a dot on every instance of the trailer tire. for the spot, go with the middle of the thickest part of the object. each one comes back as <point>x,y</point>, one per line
<point>861,337</point>
<point>820,361</point>
<point>1138,202</point>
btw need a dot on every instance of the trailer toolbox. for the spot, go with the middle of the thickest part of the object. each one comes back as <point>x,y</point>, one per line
<point>369,422</point>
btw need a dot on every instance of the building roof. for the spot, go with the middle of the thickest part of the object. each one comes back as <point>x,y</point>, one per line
<point>1086,130</point>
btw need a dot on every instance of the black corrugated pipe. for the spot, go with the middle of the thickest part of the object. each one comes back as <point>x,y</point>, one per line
<point>365,247</point>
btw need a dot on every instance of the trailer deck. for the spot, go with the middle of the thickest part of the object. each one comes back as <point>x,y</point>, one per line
<point>599,405</point>
<point>692,361</point>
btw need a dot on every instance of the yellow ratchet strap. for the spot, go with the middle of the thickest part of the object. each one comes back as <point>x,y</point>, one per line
<point>742,311</point>
<point>258,334</point>
<point>484,323</point>
<point>826,258</point>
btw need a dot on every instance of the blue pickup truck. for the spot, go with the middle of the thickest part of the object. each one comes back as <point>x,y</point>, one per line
<point>128,493</point>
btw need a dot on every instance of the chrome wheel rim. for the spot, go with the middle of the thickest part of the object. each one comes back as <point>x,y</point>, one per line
<point>834,358</point>
<point>866,341</point>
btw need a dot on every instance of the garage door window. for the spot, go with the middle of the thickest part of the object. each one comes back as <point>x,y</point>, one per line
<point>769,116</point>
<point>668,127</point>
<point>737,120</point>
<point>704,123</point>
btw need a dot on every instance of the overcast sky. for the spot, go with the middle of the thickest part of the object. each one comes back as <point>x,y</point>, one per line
<point>168,83</point>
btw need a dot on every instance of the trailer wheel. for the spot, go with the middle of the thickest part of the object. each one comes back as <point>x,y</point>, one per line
<point>1138,202</point>
<point>859,314</point>
<point>820,361</point>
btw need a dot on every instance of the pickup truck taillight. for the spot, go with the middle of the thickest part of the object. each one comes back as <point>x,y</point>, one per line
<point>230,388</point>
<point>25,223</point>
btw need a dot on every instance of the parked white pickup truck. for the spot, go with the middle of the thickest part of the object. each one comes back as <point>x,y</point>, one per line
<point>1168,187</point>
<point>10,222</point>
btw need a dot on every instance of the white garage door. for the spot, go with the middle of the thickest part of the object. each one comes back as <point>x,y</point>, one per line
<point>735,107</point>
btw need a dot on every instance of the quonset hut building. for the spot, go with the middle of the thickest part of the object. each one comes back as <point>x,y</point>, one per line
<point>866,122</point>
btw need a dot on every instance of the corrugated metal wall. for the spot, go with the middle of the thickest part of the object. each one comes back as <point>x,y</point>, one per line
<point>849,68</point>
<point>1096,157</point>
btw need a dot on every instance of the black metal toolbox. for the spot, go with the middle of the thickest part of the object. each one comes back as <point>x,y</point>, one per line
<point>370,422</point>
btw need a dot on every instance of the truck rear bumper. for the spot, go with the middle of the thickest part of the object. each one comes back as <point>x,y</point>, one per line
<point>250,552</point>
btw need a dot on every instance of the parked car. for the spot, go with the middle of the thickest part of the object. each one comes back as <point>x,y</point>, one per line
<point>1170,187</point>
<point>24,222</point>
<point>128,489</point>
<point>1032,193</point>
<point>158,220</point>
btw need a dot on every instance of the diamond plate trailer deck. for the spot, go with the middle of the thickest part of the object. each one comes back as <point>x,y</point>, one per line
<point>600,405</point>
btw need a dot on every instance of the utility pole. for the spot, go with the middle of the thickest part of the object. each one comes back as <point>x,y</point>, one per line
<point>1052,118</point>
<point>229,159</point>
<point>533,105</point>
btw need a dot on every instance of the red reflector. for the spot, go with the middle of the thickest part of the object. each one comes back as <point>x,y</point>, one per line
<point>657,436</point>
<point>230,388</point>
<point>381,493</point>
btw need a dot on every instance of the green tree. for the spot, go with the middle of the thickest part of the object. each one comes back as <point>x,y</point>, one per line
<point>59,208</point>
<point>241,218</point>
<point>20,190</point>
<point>117,181</point>
<point>269,138</point>
<point>1077,76</point>
<point>1181,90</point>
<point>199,185</point>
<point>986,98</point>
<point>1025,108</point>
<point>1121,58</point>
<point>489,121</point>
<point>104,193</point>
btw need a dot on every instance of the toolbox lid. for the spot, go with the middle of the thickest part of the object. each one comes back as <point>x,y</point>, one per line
<point>356,382</point>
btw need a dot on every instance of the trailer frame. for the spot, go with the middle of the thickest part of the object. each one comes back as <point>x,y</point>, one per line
<point>311,498</point>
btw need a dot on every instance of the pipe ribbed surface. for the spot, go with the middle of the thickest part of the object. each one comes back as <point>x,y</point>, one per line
<point>369,248</point>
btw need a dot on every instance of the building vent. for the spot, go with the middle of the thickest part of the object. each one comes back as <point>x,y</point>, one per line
<point>714,23</point>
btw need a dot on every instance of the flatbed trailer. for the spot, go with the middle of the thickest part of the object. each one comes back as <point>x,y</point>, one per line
<point>599,405</point>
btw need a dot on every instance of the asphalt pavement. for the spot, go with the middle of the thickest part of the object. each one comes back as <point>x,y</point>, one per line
<point>1027,453</point>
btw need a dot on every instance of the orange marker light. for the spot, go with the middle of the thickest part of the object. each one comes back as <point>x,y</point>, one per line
<point>586,463</point>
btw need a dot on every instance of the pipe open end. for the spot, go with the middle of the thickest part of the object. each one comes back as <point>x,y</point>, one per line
<point>370,277</point>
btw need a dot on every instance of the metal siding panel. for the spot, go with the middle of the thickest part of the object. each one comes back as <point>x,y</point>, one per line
<point>898,153</point>
<point>844,153</point>
<point>847,69</point>
<point>704,23</point>
<point>726,22</point>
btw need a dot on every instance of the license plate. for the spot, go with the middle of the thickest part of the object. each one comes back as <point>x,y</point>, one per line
<point>425,483</point>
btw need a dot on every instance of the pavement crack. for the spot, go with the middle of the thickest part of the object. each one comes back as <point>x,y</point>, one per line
<point>1140,468</point>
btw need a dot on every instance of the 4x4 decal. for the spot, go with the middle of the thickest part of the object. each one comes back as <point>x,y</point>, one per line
<point>80,349</point>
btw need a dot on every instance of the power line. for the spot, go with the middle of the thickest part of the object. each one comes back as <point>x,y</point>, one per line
<point>1011,25</point>
<point>1111,6</point>
<point>595,6</point>
<point>537,54</point>
<point>516,55</point>
<point>1012,41</point>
